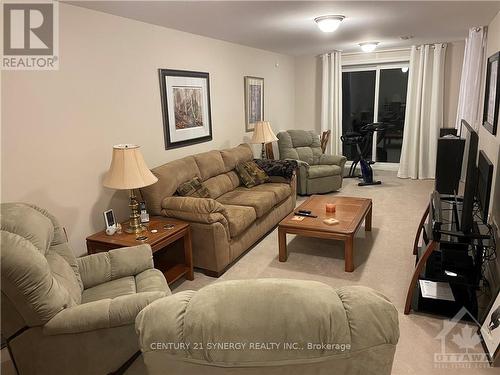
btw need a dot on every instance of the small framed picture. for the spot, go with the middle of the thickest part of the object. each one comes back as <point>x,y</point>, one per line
<point>492,94</point>
<point>109,219</point>
<point>490,331</point>
<point>254,102</point>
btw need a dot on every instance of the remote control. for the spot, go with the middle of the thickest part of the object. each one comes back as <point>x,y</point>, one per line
<point>304,214</point>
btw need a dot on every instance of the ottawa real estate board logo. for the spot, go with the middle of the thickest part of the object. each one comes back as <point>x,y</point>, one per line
<point>30,35</point>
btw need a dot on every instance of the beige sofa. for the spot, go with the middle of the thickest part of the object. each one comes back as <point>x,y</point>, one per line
<point>67,315</point>
<point>269,327</point>
<point>226,225</point>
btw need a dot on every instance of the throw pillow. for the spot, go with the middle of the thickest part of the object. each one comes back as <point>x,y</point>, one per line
<point>250,174</point>
<point>193,188</point>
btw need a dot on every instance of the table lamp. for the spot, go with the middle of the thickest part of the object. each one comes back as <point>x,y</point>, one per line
<point>263,133</point>
<point>128,170</point>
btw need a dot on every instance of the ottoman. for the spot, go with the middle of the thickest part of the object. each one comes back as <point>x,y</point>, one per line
<point>269,326</point>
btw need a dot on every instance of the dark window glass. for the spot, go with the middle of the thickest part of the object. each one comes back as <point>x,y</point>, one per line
<point>391,109</point>
<point>358,98</point>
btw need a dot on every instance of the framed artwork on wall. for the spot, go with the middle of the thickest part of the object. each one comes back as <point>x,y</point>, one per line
<point>254,101</point>
<point>492,94</point>
<point>185,100</point>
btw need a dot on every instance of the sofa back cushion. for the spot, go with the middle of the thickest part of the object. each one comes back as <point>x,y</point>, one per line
<point>210,164</point>
<point>170,176</point>
<point>236,155</point>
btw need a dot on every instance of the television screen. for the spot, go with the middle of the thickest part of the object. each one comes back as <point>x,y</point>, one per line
<point>484,180</point>
<point>472,140</point>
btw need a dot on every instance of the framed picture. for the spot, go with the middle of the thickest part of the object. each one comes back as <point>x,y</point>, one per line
<point>254,101</point>
<point>492,94</point>
<point>109,219</point>
<point>490,330</point>
<point>185,100</point>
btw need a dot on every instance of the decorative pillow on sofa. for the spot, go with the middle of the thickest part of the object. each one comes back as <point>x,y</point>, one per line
<point>193,188</point>
<point>279,168</point>
<point>250,174</point>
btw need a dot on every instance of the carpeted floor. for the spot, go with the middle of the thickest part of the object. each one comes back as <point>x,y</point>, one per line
<point>383,260</point>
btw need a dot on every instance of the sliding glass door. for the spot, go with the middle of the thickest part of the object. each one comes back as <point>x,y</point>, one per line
<point>375,94</point>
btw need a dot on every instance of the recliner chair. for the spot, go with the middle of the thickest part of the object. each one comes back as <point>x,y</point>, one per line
<point>68,315</point>
<point>318,173</point>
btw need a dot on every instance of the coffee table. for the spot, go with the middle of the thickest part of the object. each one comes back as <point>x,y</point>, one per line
<point>350,212</point>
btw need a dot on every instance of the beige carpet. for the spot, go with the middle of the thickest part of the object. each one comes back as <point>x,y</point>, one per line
<point>383,260</point>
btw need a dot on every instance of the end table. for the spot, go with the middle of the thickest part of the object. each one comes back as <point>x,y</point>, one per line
<point>159,236</point>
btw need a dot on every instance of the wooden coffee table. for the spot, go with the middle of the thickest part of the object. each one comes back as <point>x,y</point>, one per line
<point>350,212</point>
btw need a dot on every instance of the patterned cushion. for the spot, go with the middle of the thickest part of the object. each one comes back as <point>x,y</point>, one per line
<point>250,174</point>
<point>193,188</point>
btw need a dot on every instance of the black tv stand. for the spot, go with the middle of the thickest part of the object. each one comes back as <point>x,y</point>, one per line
<point>447,255</point>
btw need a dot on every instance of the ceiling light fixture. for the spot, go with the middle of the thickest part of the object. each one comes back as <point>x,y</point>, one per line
<point>328,24</point>
<point>368,46</point>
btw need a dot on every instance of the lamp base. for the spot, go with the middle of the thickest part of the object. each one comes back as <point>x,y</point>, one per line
<point>134,224</point>
<point>139,229</point>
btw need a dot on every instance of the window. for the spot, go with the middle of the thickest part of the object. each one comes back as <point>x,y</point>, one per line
<point>375,94</point>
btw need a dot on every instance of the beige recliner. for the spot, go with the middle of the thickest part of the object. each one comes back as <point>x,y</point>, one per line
<point>269,327</point>
<point>318,173</point>
<point>68,315</point>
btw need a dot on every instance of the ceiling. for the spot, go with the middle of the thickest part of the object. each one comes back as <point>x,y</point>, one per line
<point>288,27</point>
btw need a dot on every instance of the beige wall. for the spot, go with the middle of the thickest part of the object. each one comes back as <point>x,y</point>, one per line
<point>58,127</point>
<point>488,142</point>
<point>308,88</point>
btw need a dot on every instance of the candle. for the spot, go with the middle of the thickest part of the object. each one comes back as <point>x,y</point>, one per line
<point>330,207</point>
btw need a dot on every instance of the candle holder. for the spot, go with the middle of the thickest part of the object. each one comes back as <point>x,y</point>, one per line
<point>330,208</point>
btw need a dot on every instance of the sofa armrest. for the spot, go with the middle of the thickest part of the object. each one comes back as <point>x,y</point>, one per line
<point>105,313</point>
<point>198,210</point>
<point>103,267</point>
<point>333,159</point>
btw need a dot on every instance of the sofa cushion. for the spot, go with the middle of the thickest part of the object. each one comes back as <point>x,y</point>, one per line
<point>261,201</point>
<point>193,188</point>
<point>281,191</point>
<point>222,183</point>
<point>236,155</point>
<point>316,171</point>
<point>170,176</point>
<point>65,275</point>
<point>210,164</point>
<point>239,218</point>
<point>250,174</point>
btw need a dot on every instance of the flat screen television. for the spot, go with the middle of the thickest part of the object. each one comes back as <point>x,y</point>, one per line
<point>471,144</point>
<point>484,181</point>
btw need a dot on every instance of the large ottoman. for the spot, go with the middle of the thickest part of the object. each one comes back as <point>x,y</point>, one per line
<point>269,326</point>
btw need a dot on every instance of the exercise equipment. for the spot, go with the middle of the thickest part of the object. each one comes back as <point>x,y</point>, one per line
<point>363,142</point>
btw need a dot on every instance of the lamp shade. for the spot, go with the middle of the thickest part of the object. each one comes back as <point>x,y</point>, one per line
<point>263,133</point>
<point>128,169</point>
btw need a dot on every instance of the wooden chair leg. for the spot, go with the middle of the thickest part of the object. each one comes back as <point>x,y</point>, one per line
<point>419,231</point>
<point>418,268</point>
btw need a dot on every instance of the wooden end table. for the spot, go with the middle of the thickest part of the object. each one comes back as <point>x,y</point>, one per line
<point>100,242</point>
<point>350,212</point>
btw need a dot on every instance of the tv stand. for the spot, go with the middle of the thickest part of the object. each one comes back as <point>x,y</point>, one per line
<point>447,255</point>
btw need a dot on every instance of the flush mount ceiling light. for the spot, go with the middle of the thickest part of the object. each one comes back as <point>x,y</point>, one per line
<point>328,24</point>
<point>368,46</point>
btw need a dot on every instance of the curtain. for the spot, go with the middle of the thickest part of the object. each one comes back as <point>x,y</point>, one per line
<point>331,100</point>
<point>424,112</point>
<point>469,99</point>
